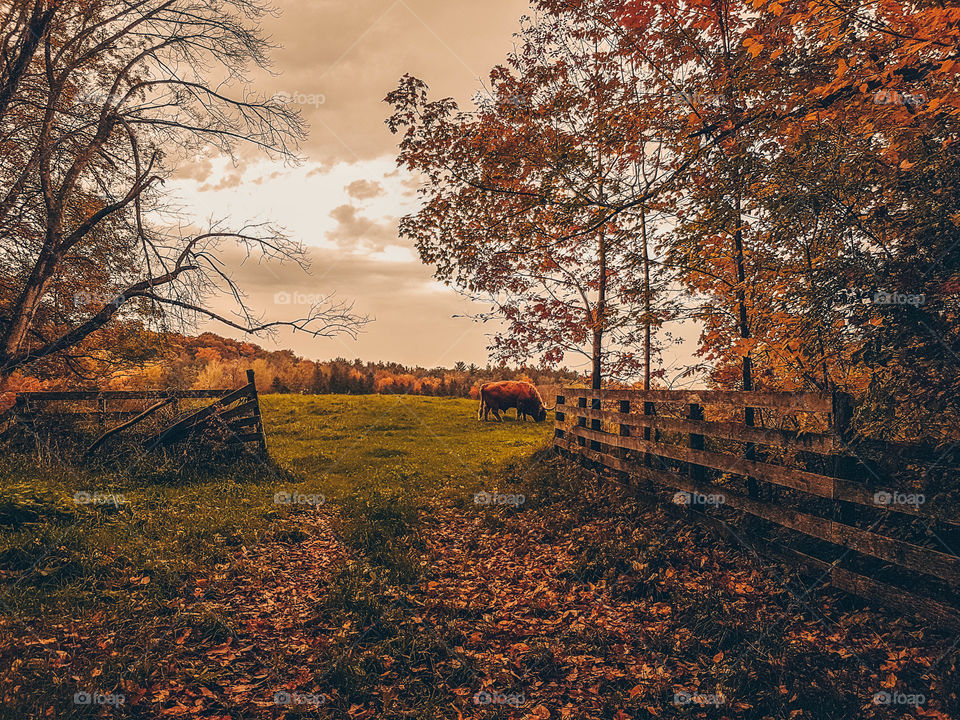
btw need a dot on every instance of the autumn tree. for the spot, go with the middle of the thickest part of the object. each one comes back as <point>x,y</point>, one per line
<point>98,104</point>
<point>888,110</point>
<point>833,182</point>
<point>537,199</point>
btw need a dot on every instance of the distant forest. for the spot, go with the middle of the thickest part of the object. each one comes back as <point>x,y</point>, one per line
<point>211,361</point>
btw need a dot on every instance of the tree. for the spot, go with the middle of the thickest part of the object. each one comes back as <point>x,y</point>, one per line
<point>536,200</point>
<point>98,102</point>
<point>819,148</point>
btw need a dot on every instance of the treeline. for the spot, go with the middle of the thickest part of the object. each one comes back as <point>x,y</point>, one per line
<point>211,361</point>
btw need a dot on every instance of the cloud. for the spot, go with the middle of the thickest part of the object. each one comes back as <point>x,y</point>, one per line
<point>351,54</point>
<point>402,297</point>
<point>364,189</point>
<point>355,231</point>
<point>230,180</point>
<point>199,169</point>
<point>354,252</point>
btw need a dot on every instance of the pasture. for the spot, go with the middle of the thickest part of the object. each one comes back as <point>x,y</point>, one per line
<point>381,590</point>
<point>335,440</point>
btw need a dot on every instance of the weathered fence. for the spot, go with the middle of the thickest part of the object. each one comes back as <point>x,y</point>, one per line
<point>36,414</point>
<point>819,505</point>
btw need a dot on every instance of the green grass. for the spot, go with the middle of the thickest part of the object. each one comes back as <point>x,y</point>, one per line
<point>336,441</point>
<point>180,518</point>
<point>133,574</point>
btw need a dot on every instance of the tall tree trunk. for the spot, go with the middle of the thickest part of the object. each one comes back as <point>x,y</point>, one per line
<point>741,293</point>
<point>823,352</point>
<point>647,320</point>
<point>753,487</point>
<point>599,313</point>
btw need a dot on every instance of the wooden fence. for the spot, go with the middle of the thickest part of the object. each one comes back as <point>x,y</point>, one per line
<point>818,505</point>
<point>35,414</point>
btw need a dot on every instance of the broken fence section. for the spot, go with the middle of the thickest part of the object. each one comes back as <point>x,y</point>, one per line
<point>236,411</point>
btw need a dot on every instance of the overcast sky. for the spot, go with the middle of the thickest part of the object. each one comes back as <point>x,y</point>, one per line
<point>338,59</point>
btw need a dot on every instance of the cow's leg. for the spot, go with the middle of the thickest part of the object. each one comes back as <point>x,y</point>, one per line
<point>496,414</point>
<point>480,413</point>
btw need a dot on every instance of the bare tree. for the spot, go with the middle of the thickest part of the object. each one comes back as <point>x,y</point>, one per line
<point>98,103</point>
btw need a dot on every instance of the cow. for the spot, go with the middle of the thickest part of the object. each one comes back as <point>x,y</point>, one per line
<point>506,394</point>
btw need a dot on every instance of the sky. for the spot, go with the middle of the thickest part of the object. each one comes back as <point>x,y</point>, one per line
<point>337,61</point>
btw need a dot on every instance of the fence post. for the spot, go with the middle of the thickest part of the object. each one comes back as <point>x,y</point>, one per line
<point>559,417</point>
<point>648,411</point>
<point>558,432</point>
<point>595,404</point>
<point>101,413</point>
<point>256,411</point>
<point>581,420</point>
<point>750,453</point>
<point>622,453</point>
<point>841,418</point>
<point>696,441</point>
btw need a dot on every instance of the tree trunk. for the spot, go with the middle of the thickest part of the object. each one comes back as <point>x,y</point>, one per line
<point>647,320</point>
<point>599,313</point>
<point>753,487</point>
<point>741,294</point>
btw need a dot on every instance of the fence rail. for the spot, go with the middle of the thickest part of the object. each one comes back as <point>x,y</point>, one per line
<point>707,444</point>
<point>237,408</point>
<point>75,395</point>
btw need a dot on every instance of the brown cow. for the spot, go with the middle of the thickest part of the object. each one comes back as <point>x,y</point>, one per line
<point>506,394</point>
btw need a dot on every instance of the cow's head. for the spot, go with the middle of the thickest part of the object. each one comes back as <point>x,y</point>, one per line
<point>541,414</point>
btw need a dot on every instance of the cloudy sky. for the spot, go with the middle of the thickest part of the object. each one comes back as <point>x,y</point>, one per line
<point>338,60</point>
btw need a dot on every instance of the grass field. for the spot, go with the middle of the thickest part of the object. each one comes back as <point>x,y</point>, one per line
<point>335,440</point>
<point>189,592</point>
<point>172,518</point>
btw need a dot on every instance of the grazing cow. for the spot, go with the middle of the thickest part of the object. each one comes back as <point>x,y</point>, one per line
<point>506,394</point>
